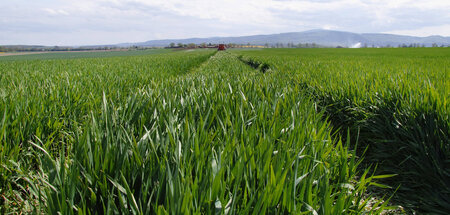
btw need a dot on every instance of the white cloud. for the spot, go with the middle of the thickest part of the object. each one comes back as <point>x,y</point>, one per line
<point>152,19</point>
<point>425,31</point>
<point>330,27</point>
<point>55,12</point>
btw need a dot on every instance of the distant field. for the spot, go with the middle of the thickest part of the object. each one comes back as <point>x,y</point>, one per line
<point>80,54</point>
<point>394,101</point>
<point>267,131</point>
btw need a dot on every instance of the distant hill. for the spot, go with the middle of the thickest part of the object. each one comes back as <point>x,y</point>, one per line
<point>320,37</point>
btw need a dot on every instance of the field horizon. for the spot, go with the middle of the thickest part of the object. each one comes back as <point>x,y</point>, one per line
<point>261,131</point>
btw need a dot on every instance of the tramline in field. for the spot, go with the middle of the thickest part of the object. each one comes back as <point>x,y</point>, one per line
<point>395,103</point>
<point>231,132</point>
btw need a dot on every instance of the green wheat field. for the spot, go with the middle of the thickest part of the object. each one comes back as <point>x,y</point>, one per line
<point>262,131</point>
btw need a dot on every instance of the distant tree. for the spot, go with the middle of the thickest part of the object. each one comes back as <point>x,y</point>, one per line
<point>266,45</point>
<point>180,44</point>
<point>191,45</point>
<point>434,45</point>
<point>172,45</point>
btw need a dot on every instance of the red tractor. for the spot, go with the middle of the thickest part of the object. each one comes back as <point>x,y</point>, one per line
<point>222,47</point>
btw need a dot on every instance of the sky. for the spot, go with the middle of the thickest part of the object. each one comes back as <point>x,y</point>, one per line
<point>95,22</point>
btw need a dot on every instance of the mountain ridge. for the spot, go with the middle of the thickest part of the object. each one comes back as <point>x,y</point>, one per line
<point>321,37</point>
<point>329,38</point>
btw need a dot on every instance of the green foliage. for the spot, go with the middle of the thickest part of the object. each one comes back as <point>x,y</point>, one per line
<point>49,101</point>
<point>395,101</point>
<point>81,54</point>
<point>178,133</point>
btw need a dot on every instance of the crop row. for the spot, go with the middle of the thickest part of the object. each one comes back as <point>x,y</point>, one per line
<point>394,102</point>
<point>174,133</point>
